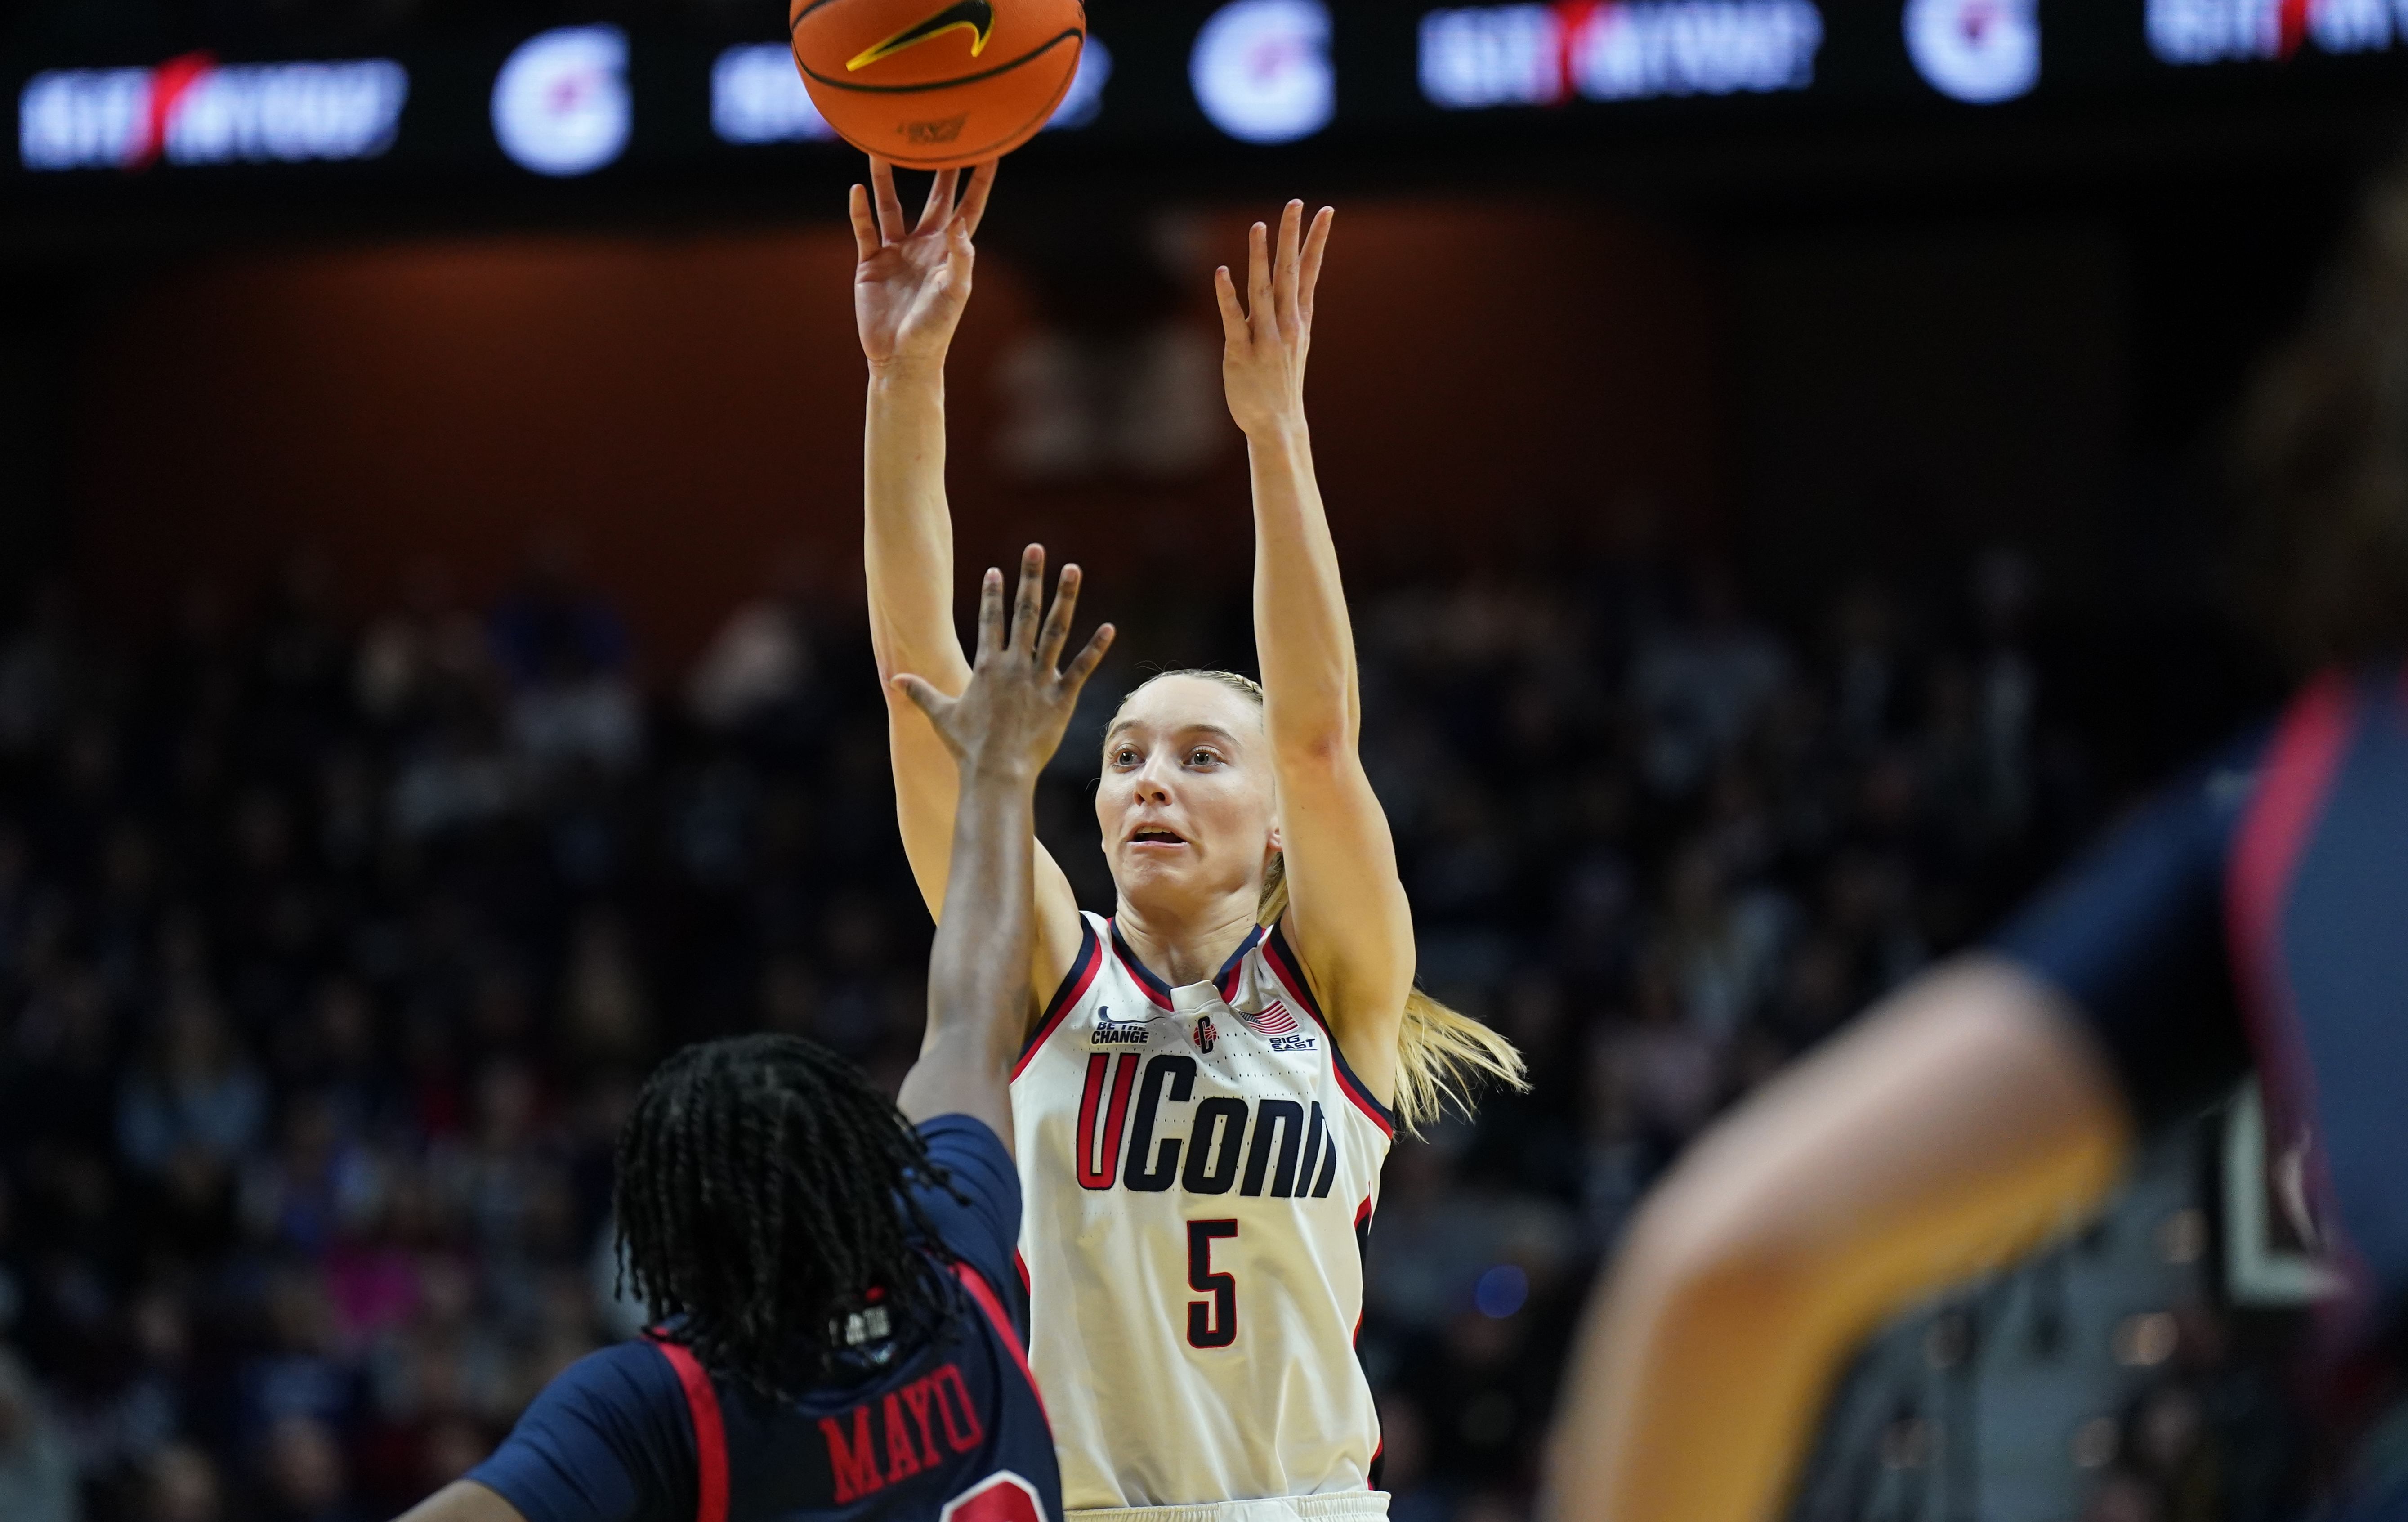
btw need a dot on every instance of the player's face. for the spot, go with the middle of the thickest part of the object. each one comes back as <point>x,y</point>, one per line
<point>1187,805</point>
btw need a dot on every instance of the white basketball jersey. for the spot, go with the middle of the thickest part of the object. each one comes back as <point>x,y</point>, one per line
<point>1198,1169</point>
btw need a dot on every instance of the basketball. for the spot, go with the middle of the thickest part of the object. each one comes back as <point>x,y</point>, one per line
<point>937,84</point>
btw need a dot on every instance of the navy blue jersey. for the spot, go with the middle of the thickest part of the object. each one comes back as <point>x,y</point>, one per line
<point>952,1429</point>
<point>2260,909</point>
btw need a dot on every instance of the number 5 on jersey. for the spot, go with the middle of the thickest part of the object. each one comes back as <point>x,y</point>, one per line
<point>1212,1323</point>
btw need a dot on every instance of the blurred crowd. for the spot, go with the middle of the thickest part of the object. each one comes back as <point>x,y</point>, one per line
<point>332,951</point>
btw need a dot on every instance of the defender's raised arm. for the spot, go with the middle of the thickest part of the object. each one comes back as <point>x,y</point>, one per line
<point>999,733</point>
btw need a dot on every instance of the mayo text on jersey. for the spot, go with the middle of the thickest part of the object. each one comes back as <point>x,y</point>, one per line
<point>940,1401</point>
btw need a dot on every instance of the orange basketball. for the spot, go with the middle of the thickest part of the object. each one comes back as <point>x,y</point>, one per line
<point>937,84</point>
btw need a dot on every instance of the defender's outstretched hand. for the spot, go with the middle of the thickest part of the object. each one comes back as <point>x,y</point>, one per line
<point>1010,719</point>
<point>913,279</point>
<point>1266,340</point>
<point>1001,730</point>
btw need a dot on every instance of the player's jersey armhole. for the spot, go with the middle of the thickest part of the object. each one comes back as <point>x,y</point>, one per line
<point>709,1430</point>
<point>1075,984</point>
<point>1281,958</point>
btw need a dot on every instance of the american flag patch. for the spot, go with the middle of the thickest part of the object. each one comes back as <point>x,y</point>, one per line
<point>1273,1020</point>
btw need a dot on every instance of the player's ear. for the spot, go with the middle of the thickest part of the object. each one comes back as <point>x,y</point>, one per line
<point>1278,841</point>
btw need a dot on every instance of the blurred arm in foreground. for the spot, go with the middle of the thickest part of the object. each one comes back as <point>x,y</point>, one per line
<point>1965,1121</point>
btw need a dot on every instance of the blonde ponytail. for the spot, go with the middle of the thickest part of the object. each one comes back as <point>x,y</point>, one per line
<point>1442,1055</point>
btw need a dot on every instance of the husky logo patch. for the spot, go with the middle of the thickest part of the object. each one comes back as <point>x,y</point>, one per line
<point>1204,1035</point>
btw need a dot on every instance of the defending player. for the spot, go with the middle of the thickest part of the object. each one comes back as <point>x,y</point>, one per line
<point>832,1271</point>
<point>2257,908</point>
<point>1214,1072</point>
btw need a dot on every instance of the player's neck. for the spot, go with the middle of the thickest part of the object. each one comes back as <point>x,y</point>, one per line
<point>1190,947</point>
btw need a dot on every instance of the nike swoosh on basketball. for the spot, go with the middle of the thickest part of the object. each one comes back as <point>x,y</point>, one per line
<point>976,17</point>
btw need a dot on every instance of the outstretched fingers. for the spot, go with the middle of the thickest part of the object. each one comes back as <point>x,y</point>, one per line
<point>1233,316</point>
<point>973,207</point>
<point>1028,610</point>
<point>990,624</point>
<point>1283,267</point>
<point>1057,620</point>
<point>865,227</point>
<point>1258,281</point>
<point>939,208</point>
<point>890,206</point>
<point>924,697</point>
<point>1316,243</point>
<point>1082,665</point>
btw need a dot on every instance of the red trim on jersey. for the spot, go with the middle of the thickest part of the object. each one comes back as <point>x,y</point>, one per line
<point>1155,990</point>
<point>1083,969</point>
<point>1281,962</point>
<point>709,1431</point>
<point>2294,778</point>
<point>1019,1261</point>
<point>992,1304</point>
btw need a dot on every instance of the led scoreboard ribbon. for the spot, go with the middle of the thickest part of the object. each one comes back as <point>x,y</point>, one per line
<point>597,100</point>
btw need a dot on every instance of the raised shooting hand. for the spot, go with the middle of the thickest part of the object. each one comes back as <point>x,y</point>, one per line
<point>1265,340</point>
<point>1009,721</point>
<point>913,280</point>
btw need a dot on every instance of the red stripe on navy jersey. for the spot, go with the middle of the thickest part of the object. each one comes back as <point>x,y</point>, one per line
<point>709,1431</point>
<point>2295,778</point>
<point>992,1304</point>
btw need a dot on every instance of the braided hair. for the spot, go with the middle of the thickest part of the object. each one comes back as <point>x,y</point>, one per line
<point>763,1210</point>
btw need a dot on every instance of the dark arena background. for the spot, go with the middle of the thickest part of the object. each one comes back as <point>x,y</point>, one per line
<point>1774,448</point>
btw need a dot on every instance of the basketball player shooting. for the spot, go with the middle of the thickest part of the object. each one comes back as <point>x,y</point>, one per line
<point>2253,911</point>
<point>1214,1072</point>
<point>830,1270</point>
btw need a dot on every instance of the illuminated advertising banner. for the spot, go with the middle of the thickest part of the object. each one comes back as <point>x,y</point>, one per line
<point>2225,31</point>
<point>1647,49</point>
<point>603,102</point>
<point>196,110</point>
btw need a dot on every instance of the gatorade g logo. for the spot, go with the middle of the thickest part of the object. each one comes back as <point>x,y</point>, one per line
<point>976,17</point>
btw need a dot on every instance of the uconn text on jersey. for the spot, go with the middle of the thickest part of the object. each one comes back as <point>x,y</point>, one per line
<point>1284,1148</point>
